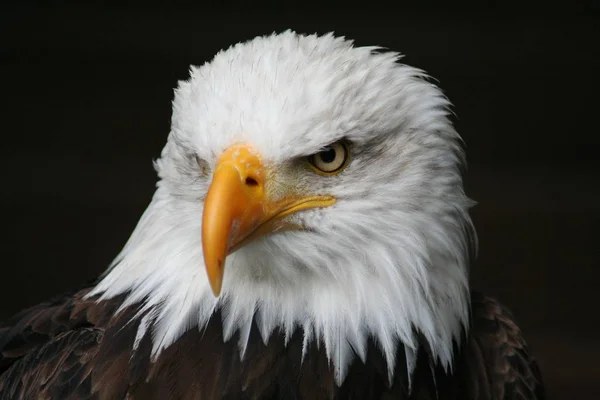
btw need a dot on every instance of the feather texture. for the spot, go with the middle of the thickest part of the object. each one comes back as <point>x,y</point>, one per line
<point>76,349</point>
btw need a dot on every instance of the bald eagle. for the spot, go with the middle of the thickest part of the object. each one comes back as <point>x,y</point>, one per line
<point>309,238</point>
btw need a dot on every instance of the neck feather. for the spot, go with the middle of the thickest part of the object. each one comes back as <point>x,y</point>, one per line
<point>161,267</point>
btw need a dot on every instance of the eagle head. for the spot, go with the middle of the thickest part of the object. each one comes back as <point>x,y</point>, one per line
<point>305,184</point>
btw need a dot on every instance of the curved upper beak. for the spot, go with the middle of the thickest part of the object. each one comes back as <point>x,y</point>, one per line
<point>238,209</point>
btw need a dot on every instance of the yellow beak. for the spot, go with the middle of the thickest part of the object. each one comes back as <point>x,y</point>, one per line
<point>238,210</point>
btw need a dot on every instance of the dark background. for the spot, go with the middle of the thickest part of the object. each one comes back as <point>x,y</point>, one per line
<point>86,101</point>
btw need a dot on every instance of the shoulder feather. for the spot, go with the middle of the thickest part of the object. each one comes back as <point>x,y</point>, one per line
<point>499,364</point>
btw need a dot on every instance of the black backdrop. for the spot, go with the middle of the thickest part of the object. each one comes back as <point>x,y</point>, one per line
<point>86,97</point>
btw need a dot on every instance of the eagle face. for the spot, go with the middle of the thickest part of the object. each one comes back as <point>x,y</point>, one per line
<point>305,184</point>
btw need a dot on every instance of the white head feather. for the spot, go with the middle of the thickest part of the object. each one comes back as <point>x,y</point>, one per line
<point>388,259</point>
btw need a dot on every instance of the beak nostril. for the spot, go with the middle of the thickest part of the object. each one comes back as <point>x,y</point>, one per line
<point>251,182</point>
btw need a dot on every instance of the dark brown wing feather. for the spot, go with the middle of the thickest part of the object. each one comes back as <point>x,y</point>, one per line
<point>59,369</point>
<point>73,348</point>
<point>48,351</point>
<point>496,362</point>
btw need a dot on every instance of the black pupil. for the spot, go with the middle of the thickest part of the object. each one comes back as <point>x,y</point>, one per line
<point>327,155</point>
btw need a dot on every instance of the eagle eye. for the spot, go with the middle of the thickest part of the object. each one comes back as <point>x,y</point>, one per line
<point>331,160</point>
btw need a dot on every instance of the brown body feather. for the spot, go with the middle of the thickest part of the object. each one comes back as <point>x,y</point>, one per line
<point>73,348</point>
